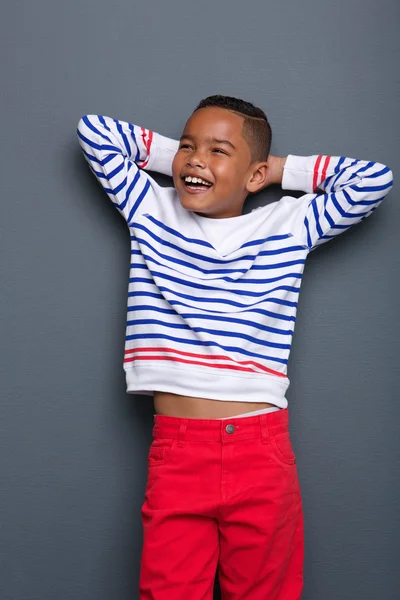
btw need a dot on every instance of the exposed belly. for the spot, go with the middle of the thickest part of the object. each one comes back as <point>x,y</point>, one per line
<point>174,405</point>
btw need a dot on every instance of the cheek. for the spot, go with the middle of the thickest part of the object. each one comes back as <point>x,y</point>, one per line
<point>176,167</point>
<point>223,173</point>
<point>227,175</point>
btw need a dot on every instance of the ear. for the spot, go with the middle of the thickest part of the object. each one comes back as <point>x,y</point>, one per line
<point>258,178</point>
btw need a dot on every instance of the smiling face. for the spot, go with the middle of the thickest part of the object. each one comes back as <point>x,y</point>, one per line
<point>213,149</point>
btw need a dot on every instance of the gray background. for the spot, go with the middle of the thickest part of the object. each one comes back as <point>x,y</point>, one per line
<point>73,444</point>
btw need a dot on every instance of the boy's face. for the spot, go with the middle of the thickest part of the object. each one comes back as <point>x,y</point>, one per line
<point>212,148</point>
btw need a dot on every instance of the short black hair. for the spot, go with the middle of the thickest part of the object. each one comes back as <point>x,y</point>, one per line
<point>256,128</point>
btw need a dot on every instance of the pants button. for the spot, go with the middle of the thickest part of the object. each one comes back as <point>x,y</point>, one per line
<point>230,428</point>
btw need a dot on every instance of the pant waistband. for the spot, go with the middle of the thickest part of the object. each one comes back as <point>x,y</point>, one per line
<point>221,429</point>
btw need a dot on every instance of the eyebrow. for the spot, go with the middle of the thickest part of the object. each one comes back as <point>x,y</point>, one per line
<point>210,139</point>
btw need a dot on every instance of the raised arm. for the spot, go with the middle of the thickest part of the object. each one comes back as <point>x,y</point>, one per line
<point>117,152</point>
<point>340,193</point>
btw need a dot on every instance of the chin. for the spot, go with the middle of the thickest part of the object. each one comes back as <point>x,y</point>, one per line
<point>191,200</point>
<point>189,204</point>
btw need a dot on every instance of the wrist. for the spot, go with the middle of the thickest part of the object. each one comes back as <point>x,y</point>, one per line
<point>281,166</point>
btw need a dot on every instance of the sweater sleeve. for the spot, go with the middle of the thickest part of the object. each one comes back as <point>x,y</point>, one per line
<point>118,152</point>
<point>340,192</point>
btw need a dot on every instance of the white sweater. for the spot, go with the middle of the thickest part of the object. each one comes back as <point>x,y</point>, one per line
<point>212,302</point>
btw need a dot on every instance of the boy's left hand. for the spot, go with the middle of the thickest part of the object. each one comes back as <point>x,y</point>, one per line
<point>275,165</point>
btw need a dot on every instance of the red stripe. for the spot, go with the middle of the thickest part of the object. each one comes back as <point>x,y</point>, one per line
<point>193,355</point>
<point>190,362</point>
<point>144,136</point>
<point>316,167</point>
<point>325,167</point>
<point>150,141</point>
<point>147,144</point>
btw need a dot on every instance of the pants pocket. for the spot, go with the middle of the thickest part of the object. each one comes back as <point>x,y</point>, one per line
<point>282,447</point>
<point>160,451</point>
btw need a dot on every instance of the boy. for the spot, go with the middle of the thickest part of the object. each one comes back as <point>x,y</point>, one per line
<point>211,310</point>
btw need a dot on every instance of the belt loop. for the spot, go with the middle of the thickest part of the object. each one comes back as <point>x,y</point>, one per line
<point>182,431</point>
<point>264,428</point>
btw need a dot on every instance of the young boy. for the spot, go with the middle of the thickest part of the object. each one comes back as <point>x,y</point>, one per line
<point>211,311</point>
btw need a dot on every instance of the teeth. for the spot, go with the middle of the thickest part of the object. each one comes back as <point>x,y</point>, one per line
<point>189,179</point>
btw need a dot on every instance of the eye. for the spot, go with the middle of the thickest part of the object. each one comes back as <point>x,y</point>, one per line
<point>219,150</point>
<point>184,146</point>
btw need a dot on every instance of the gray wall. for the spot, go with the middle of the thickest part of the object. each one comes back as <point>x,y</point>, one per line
<point>73,444</point>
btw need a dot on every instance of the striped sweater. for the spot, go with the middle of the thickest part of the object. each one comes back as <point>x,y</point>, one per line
<point>212,302</point>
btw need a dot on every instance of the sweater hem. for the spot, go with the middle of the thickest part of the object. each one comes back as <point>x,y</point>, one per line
<point>200,383</point>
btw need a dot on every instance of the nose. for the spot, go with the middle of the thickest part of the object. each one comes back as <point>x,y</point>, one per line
<point>196,159</point>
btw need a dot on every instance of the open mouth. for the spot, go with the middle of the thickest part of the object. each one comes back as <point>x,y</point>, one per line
<point>196,185</point>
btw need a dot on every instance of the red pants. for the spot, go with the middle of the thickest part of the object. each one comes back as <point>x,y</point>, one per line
<point>222,494</point>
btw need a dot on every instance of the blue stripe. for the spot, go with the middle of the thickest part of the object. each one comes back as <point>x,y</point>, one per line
<point>99,174</point>
<point>141,336</point>
<point>108,158</point>
<point>97,160</point>
<point>261,311</point>
<point>177,234</point>
<point>98,146</point>
<point>240,292</point>
<point>130,188</point>
<point>339,164</point>
<point>326,182</point>
<point>117,170</point>
<point>365,168</point>
<point>277,316</point>
<point>90,125</point>
<point>326,213</point>
<point>342,227</point>
<point>224,319</point>
<point>361,202</point>
<point>279,301</point>
<point>340,209</point>
<point>166,311</point>
<point>371,176</point>
<point>121,186</point>
<point>374,188</point>
<point>179,262</point>
<point>124,138</point>
<point>149,294</point>
<point>131,127</point>
<point>309,242</point>
<point>273,300</point>
<point>341,171</point>
<point>234,291</point>
<point>279,251</point>
<point>239,322</point>
<point>177,248</point>
<point>337,205</point>
<point>377,173</point>
<point>215,332</point>
<point>228,279</point>
<point>208,271</point>
<point>91,158</point>
<point>271,238</point>
<point>316,216</point>
<point>103,122</point>
<point>214,260</point>
<point>138,201</point>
